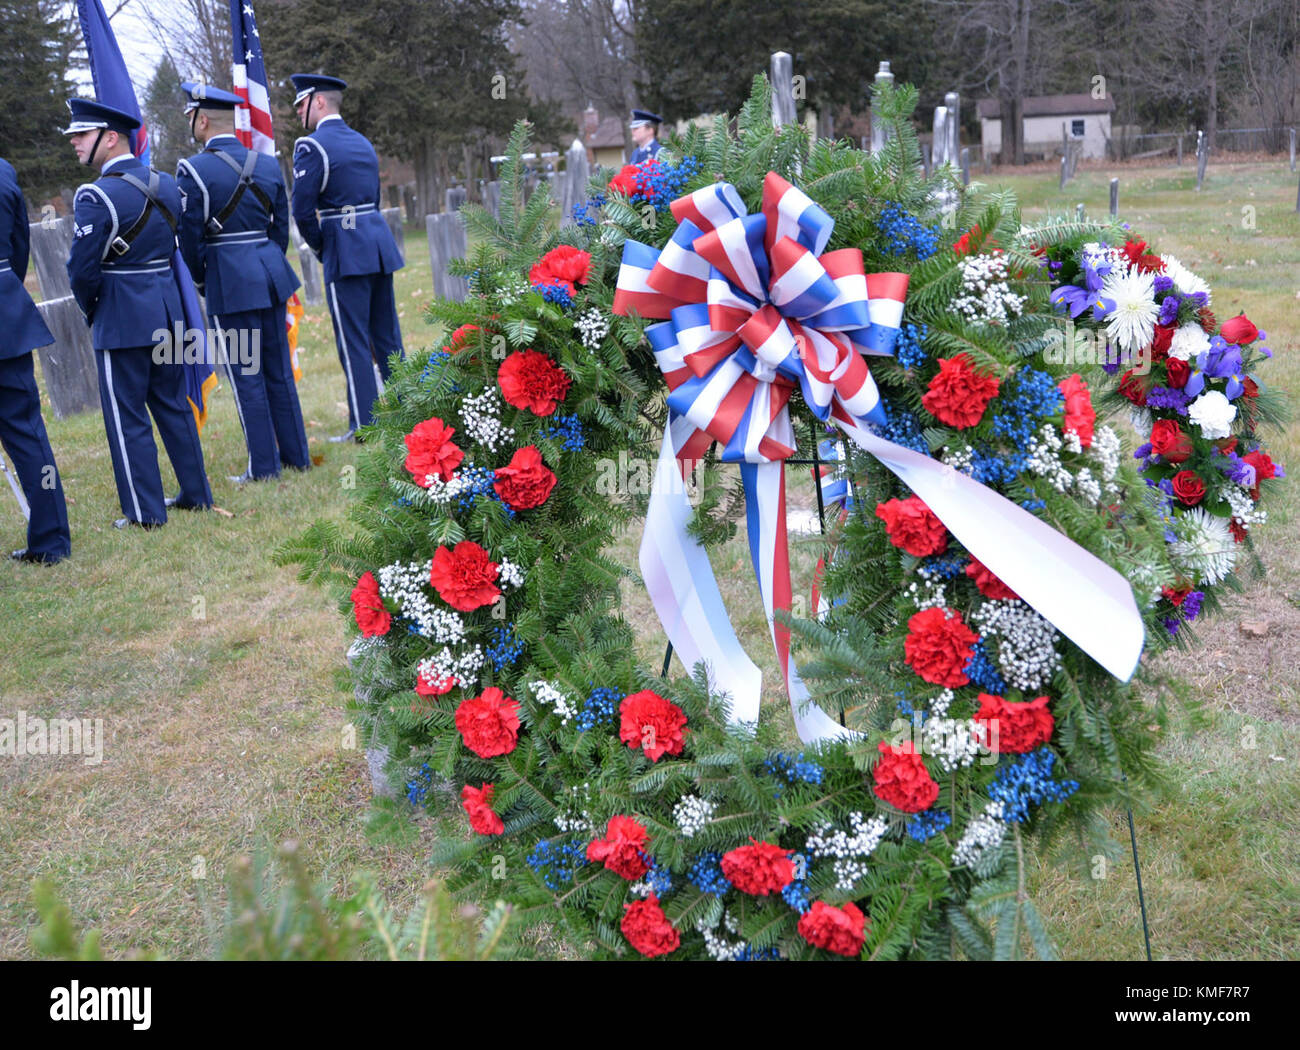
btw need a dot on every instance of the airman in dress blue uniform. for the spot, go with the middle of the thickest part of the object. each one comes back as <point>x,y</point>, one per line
<point>336,207</point>
<point>234,229</point>
<point>121,275</point>
<point>645,133</point>
<point>22,430</point>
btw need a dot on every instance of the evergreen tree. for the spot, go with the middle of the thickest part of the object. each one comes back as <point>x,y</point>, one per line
<point>164,112</point>
<point>33,91</point>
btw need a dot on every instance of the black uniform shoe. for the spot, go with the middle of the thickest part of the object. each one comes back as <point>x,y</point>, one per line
<point>32,556</point>
<point>338,439</point>
<point>174,503</point>
<point>122,523</point>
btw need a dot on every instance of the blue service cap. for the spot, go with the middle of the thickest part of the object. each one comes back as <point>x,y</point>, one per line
<point>641,117</point>
<point>306,83</point>
<point>89,114</point>
<point>205,96</point>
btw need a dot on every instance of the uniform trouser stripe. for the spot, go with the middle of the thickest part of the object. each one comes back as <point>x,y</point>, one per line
<point>121,438</point>
<point>343,352</point>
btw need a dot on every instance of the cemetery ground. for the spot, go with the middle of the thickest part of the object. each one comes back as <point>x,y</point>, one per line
<point>220,678</point>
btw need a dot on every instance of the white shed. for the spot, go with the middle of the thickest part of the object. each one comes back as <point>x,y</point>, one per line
<point>1085,118</point>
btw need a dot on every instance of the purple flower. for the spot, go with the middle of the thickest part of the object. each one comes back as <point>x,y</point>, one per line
<point>1163,283</point>
<point>1171,625</point>
<point>1167,397</point>
<point>1168,309</point>
<point>1191,606</point>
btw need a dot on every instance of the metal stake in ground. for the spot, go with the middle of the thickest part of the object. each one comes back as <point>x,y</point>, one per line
<point>18,492</point>
<point>1137,870</point>
<point>1114,198</point>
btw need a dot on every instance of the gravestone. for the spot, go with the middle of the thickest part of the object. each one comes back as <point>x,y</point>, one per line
<point>782,73</point>
<point>312,291</point>
<point>965,165</point>
<point>573,185</point>
<point>492,198</point>
<point>67,366</point>
<point>393,216</point>
<point>446,242</point>
<point>940,138</point>
<point>952,105</point>
<point>455,197</point>
<point>51,242</point>
<point>884,78</point>
<point>411,203</point>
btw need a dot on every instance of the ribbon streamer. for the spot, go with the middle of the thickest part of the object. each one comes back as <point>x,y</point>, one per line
<point>756,310</point>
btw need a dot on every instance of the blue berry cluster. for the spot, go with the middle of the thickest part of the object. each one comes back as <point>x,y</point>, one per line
<point>706,875</point>
<point>661,184</point>
<point>751,954</point>
<point>793,769</point>
<point>1033,504</point>
<point>980,670</point>
<point>909,349</point>
<point>588,212</point>
<point>418,786</point>
<point>905,708</point>
<point>1028,779</point>
<point>944,566</point>
<point>797,896</point>
<point>479,482</point>
<point>929,823</point>
<point>555,293</point>
<point>905,232</point>
<point>505,648</point>
<point>568,428</point>
<point>902,428</point>
<point>437,359</point>
<point>1034,396</point>
<point>557,863</point>
<point>990,468</point>
<point>600,708</point>
<point>659,879</point>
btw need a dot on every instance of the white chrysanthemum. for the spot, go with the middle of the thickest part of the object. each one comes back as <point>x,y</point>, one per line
<point>1205,546</point>
<point>1213,413</point>
<point>1184,280</point>
<point>1189,340</point>
<point>1133,321</point>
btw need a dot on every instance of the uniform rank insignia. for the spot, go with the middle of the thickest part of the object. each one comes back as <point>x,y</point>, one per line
<point>85,231</point>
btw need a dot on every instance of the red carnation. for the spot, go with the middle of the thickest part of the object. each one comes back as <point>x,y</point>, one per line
<point>478,804</point>
<point>647,928</point>
<point>902,780</point>
<point>622,849</point>
<point>989,585</point>
<point>1134,387</point>
<point>913,526</point>
<point>651,723</point>
<point>1264,466</point>
<point>489,723</point>
<point>1079,413</point>
<point>760,869</point>
<point>958,395</point>
<point>464,577</point>
<point>1160,341</point>
<point>938,647</point>
<point>1239,330</point>
<point>1177,372</point>
<point>425,686</point>
<point>526,482</point>
<point>564,265</point>
<point>431,452</point>
<point>1136,253</point>
<point>368,607</point>
<point>963,246</point>
<point>625,182</point>
<point>1169,441</point>
<point>1015,728</point>
<point>839,930</point>
<point>460,337</point>
<point>531,380</point>
<point>1189,488</point>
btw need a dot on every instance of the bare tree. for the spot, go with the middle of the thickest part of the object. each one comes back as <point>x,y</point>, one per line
<point>196,36</point>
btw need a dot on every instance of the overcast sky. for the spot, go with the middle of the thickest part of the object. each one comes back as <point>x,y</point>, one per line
<point>141,49</point>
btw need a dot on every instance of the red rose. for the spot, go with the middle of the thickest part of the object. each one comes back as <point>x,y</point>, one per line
<point>1160,341</point>
<point>428,687</point>
<point>839,930</point>
<point>478,804</point>
<point>1015,728</point>
<point>1239,330</point>
<point>913,526</point>
<point>625,182</point>
<point>1134,387</point>
<point>430,452</point>
<point>526,482</point>
<point>1177,372</point>
<point>1189,488</point>
<point>489,723</point>
<point>902,780</point>
<point>938,647</point>
<point>760,869</point>
<point>464,577</point>
<point>531,380</point>
<point>1169,441</point>
<point>1264,466</point>
<point>622,849</point>
<point>647,928</point>
<point>564,265</point>
<point>958,395</point>
<point>989,585</point>
<point>460,337</point>
<point>1079,413</point>
<point>368,607</point>
<point>650,722</point>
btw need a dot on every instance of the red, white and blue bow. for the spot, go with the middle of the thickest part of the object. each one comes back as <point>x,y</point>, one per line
<point>756,310</point>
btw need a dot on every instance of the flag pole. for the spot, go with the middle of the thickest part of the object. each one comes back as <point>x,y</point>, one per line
<point>18,492</point>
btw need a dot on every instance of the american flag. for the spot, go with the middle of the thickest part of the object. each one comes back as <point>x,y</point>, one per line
<point>253,121</point>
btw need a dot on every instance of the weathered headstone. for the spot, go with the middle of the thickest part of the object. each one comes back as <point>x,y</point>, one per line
<point>68,366</point>
<point>492,197</point>
<point>393,216</point>
<point>952,103</point>
<point>312,291</point>
<point>965,165</point>
<point>573,187</point>
<point>783,109</point>
<point>1114,197</point>
<point>939,138</point>
<point>446,242</point>
<point>51,242</point>
<point>455,197</point>
<point>884,78</point>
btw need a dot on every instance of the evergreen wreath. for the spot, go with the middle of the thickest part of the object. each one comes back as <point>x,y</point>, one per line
<point>622,804</point>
